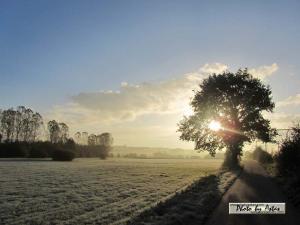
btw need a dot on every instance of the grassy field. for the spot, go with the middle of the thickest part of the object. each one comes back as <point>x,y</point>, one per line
<point>90,191</point>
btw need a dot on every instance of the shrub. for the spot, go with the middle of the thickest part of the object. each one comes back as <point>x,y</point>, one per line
<point>46,146</point>
<point>288,157</point>
<point>288,165</point>
<point>11,150</point>
<point>37,152</point>
<point>262,156</point>
<point>62,155</point>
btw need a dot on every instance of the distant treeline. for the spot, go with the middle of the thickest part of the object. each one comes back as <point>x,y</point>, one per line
<point>22,124</point>
<point>46,149</point>
<point>159,153</point>
<point>23,134</point>
<point>156,155</point>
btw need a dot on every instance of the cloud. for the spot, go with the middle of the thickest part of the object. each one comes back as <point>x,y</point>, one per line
<point>290,101</point>
<point>133,100</point>
<point>143,114</point>
<point>130,101</point>
<point>283,120</point>
<point>214,68</point>
<point>263,72</point>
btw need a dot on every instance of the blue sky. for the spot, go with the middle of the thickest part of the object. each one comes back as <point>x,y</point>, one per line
<point>51,51</point>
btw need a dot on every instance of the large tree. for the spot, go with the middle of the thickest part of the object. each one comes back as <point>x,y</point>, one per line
<point>227,113</point>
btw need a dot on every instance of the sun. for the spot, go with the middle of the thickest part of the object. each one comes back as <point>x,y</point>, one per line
<point>214,125</point>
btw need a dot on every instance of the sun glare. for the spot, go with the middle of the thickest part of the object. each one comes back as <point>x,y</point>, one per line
<point>214,125</point>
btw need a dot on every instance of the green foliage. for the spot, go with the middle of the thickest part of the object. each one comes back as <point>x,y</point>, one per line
<point>237,102</point>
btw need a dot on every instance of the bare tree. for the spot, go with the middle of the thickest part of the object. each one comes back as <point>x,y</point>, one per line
<point>8,123</point>
<point>77,137</point>
<point>26,124</point>
<point>84,138</point>
<point>1,135</point>
<point>53,128</point>
<point>19,121</point>
<point>106,139</point>
<point>92,139</point>
<point>36,124</point>
<point>63,132</point>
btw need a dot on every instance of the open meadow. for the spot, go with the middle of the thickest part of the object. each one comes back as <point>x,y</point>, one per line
<point>90,191</point>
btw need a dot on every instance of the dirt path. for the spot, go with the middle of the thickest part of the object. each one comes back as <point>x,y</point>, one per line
<point>253,185</point>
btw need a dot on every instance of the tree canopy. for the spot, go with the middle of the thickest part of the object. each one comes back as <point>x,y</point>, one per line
<point>236,101</point>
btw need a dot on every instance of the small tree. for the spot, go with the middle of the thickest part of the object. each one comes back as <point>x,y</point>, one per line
<point>227,113</point>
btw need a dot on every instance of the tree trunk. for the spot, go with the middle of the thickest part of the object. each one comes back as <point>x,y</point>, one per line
<point>232,156</point>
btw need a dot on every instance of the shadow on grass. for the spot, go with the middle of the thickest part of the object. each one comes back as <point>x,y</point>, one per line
<point>190,206</point>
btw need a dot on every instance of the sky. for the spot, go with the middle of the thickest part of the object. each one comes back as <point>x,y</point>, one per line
<point>128,67</point>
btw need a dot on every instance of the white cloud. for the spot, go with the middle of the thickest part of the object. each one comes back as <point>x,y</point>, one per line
<point>214,68</point>
<point>263,72</point>
<point>283,120</point>
<point>124,84</point>
<point>290,101</point>
<point>170,97</point>
<point>130,101</point>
